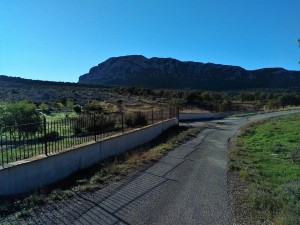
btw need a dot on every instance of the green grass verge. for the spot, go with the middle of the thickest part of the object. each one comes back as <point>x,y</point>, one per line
<point>267,155</point>
<point>54,116</point>
<point>98,176</point>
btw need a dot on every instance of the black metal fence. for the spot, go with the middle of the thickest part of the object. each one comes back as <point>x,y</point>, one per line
<point>21,141</point>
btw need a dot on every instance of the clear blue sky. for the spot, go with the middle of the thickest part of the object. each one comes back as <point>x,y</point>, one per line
<point>60,40</point>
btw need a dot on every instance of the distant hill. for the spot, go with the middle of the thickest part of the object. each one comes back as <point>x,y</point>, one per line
<point>137,70</point>
<point>17,81</point>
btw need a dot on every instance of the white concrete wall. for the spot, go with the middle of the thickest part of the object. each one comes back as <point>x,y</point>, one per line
<point>43,170</point>
<point>203,116</point>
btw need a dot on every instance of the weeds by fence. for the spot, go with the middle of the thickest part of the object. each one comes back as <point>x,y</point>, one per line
<point>21,141</point>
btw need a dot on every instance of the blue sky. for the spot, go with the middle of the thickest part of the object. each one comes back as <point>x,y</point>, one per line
<point>60,40</point>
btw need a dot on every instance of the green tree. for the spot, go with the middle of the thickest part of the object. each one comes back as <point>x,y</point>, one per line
<point>285,100</point>
<point>215,97</point>
<point>247,97</point>
<point>206,96</point>
<point>21,113</point>
<point>193,98</point>
<point>44,107</point>
<point>274,104</point>
<point>3,111</point>
<point>94,106</point>
<point>58,106</point>
<point>110,107</point>
<point>70,103</point>
<point>226,106</point>
<point>77,109</point>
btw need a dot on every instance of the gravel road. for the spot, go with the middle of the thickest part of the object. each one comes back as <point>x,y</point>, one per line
<point>187,186</point>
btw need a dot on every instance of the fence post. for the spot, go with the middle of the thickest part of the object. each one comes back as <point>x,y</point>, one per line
<point>177,114</point>
<point>152,118</point>
<point>95,136</point>
<point>1,147</point>
<point>45,135</point>
<point>161,114</point>
<point>122,114</point>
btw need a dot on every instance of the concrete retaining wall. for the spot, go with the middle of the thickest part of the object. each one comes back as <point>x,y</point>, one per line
<point>208,116</point>
<point>203,116</point>
<point>27,175</point>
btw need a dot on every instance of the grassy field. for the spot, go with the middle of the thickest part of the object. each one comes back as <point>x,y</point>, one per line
<point>267,156</point>
<point>98,176</point>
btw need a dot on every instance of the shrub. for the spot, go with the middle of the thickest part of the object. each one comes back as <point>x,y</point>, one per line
<point>51,136</point>
<point>101,123</point>
<point>77,109</point>
<point>92,124</point>
<point>58,106</point>
<point>94,106</point>
<point>21,113</point>
<point>138,120</point>
<point>44,107</point>
<point>129,121</point>
<point>79,125</point>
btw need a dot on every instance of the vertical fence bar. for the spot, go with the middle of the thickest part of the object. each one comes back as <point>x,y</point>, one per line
<point>95,137</point>
<point>86,121</point>
<point>161,114</point>
<point>37,141</point>
<point>177,115</point>
<point>45,135</point>
<point>53,131</point>
<point>73,138</point>
<point>60,148</point>
<point>34,140</point>
<point>57,137</point>
<point>33,153</point>
<point>1,146</point>
<point>6,147</point>
<point>24,144</point>
<point>14,143</point>
<point>152,118</point>
<point>11,150</point>
<point>122,115</point>
<point>66,133</point>
<point>49,142</point>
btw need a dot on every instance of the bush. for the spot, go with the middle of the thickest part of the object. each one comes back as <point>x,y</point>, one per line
<point>44,107</point>
<point>102,123</point>
<point>58,106</point>
<point>51,136</point>
<point>94,106</point>
<point>21,113</point>
<point>77,109</point>
<point>138,120</point>
<point>129,121</point>
<point>84,125</point>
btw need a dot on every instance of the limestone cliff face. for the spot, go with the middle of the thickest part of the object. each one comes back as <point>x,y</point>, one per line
<point>137,70</point>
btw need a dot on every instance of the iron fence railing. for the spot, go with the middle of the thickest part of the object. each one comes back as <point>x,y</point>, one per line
<point>21,141</point>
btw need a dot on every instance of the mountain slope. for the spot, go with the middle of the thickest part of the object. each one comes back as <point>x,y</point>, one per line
<point>137,70</point>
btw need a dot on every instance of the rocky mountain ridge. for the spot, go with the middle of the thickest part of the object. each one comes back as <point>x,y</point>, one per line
<point>137,70</point>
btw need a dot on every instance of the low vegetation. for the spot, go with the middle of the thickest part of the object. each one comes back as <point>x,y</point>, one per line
<point>98,176</point>
<point>267,156</point>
